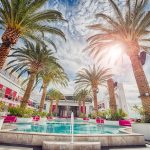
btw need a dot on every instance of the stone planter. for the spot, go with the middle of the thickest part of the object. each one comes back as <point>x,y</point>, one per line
<point>24,120</point>
<point>43,119</point>
<point>1,122</point>
<point>3,113</point>
<point>113,123</point>
<point>47,145</point>
<point>142,128</point>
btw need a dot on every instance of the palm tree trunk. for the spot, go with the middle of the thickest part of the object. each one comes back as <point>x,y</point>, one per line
<point>79,107</point>
<point>56,109</point>
<point>9,37</point>
<point>43,97</point>
<point>141,81</point>
<point>28,91</point>
<point>112,99</point>
<point>83,105</point>
<point>51,107</point>
<point>4,51</point>
<point>95,99</point>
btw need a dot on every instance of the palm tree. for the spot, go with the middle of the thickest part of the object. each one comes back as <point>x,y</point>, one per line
<point>31,59</point>
<point>131,30</point>
<point>25,19</point>
<point>51,107</point>
<point>91,78</point>
<point>81,95</point>
<point>112,98</point>
<point>56,95</point>
<point>79,102</point>
<point>54,75</point>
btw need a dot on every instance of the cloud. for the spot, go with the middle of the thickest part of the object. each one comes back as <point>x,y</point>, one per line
<point>80,14</point>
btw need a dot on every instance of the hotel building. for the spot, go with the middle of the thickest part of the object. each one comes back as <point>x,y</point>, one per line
<point>11,92</point>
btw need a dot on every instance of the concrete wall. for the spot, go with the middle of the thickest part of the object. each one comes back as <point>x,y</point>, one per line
<point>38,138</point>
<point>122,103</point>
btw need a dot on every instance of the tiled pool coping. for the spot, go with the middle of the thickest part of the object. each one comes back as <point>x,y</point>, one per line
<point>36,139</point>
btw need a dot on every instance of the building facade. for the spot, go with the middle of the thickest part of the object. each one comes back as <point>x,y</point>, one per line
<point>11,91</point>
<point>68,105</point>
<point>120,99</point>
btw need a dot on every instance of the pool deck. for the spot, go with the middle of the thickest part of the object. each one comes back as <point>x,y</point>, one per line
<point>8,147</point>
<point>37,139</point>
<point>146,147</point>
<point>127,139</point>
<point>23,147</point>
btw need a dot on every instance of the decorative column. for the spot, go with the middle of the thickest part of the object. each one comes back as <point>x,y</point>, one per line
<point>112,99</point>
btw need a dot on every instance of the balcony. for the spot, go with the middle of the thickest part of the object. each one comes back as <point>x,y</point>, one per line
<point>12,78</point>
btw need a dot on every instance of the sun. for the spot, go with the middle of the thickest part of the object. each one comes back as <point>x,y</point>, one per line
<point>115,53</point>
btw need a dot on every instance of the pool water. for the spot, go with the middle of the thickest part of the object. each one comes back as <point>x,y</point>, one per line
<point>64,128</point>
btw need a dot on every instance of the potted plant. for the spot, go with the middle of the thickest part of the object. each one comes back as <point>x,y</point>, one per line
<point>2,109</point>
<point>142,124</point>
<point>23,115</point>
<point>84,117</point>
<point>49,116</point>
<point>99,120</point>
<point>42,115</point>
<point>96,116</point>
<point>113,118</point>
<point>90,116</point>
<point>2,106</point>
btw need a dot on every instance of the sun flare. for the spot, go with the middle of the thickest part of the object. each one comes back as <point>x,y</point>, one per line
<point>115,53</point>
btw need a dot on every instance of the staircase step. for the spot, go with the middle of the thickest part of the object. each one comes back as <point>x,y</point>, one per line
<point>71,146</point>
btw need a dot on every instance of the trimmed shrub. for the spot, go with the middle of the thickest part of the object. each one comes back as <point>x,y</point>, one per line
<point>19,112</point>
<point>2,106</point>
<point>82,115</point>
<point>118,115</point>
<point>40,114</point>
<point>144,116</point>
<point>94,115</point>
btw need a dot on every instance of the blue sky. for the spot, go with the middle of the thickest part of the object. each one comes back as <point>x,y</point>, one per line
<point>80,13</point>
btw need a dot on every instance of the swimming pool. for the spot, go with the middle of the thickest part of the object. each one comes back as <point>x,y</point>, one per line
<point>63,127</point>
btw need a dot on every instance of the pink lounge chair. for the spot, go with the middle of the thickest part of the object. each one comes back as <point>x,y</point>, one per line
<point>63,117</point>
<point>125,123</point>
<point>86,119</point>
<point>132,120</point>
<point>10,119</point>
<point>36,118</point>
<point>49,118</point>
<point>99,121</point>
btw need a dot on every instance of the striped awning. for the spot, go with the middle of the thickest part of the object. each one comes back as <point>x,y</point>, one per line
<point>1,86</point>
<point>8,91</point>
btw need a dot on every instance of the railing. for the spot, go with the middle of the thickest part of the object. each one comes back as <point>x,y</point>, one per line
<point>11,77</point>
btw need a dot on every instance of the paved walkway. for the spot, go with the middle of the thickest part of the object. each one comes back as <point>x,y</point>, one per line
<point>127,148</point>
<point>3,147</point>
<point>130,148</point>
<point>14,148</point>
